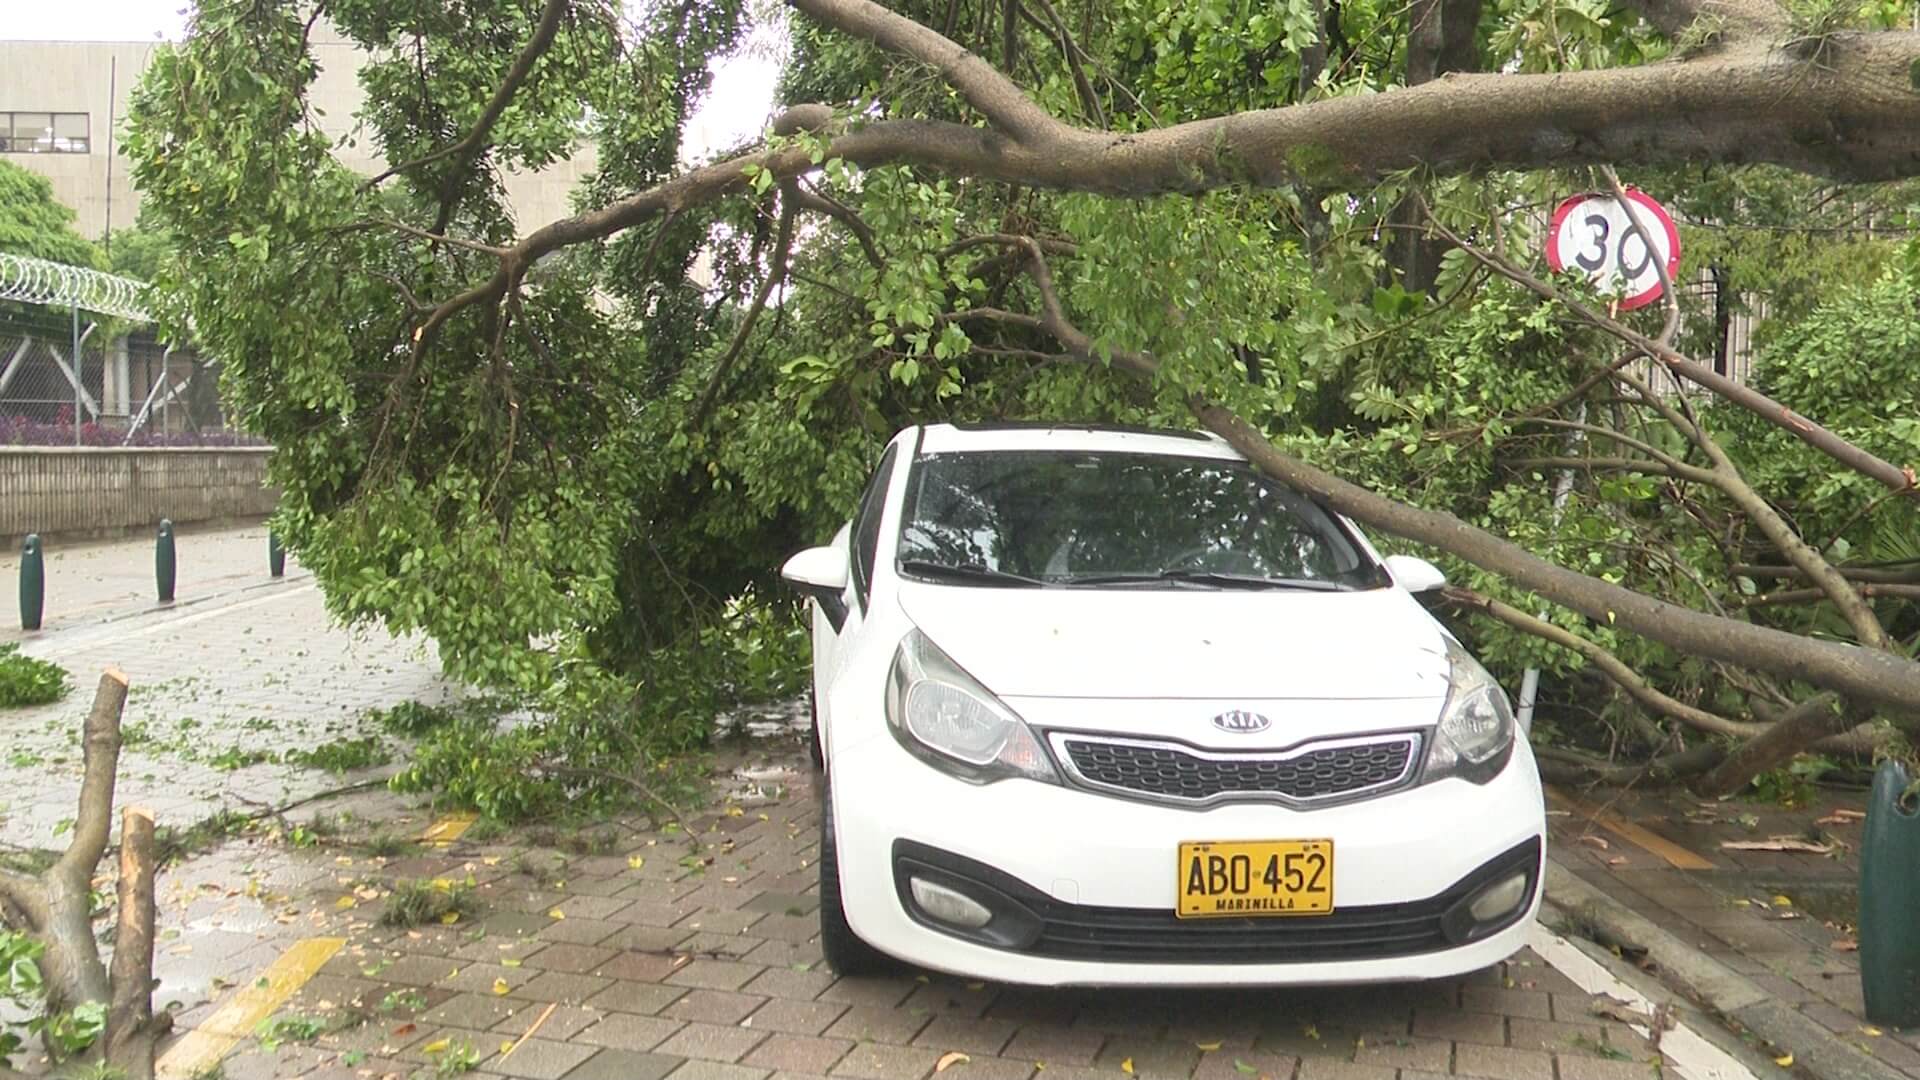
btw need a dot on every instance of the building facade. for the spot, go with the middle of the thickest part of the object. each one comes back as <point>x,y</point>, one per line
<point>62,104</point>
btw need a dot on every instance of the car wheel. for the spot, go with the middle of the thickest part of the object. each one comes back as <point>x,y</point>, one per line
<point>845,953</point>
<point>814,749</point>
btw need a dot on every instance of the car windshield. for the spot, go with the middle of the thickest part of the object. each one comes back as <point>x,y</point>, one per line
<point>1034,518</point>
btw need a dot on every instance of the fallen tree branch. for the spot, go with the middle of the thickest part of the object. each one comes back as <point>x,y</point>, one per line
<point>1737,393</point>
<point>132,1031</point>
<point>1806,596</point>
<point>1871,574</point>
<point>1608,664</point>
<point>638,786</point>
<point>1863,674</point>
<point>1802,726</point>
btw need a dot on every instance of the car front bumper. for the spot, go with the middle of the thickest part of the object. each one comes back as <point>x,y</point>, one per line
<point>1083,885</point>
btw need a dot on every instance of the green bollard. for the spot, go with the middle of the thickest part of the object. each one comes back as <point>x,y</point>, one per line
<point>33,583</point>
<point>276,555</point>
<point>163,562</point>
<point>1890,902</point>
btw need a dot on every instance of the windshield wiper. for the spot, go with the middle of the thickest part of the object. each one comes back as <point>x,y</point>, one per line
<point>1209,577</point>
<point>967,572</point>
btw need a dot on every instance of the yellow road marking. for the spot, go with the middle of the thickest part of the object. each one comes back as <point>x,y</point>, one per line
<point>448,829</point>
<point>200,1050</point>
<point>1675,855</point>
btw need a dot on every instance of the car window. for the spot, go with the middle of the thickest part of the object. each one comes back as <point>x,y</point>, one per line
<point>1054,517</point>
<point>866,526</point>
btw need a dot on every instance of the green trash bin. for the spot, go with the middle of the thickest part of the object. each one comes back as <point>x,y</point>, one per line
<point>1890,902</point>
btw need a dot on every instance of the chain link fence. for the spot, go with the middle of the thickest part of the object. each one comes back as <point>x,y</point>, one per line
<point>102,378</point>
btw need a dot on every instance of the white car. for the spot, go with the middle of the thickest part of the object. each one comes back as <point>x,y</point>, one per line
<point>1102,706</point>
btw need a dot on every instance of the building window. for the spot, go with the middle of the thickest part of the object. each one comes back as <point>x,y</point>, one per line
<point>44,133</point>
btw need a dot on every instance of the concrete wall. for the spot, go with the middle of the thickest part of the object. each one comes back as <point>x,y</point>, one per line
<point>74,76</point>
<point>92,491</point>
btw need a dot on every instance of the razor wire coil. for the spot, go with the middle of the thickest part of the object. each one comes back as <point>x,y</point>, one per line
<point>53,284</point>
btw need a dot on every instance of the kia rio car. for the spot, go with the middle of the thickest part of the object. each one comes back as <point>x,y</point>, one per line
<point>1101,706</point>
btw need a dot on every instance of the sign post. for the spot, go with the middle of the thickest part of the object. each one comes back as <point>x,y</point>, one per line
<point>1594,233</point>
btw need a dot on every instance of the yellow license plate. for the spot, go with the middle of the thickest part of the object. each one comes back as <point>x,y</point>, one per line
<point>1240,878</point>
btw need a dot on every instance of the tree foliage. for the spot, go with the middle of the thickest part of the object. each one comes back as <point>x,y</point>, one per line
<point>35,224</point>
<point>557,447</point>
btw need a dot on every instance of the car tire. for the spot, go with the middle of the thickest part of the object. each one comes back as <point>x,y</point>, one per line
<point>845,953</point>
<point>814,750</point>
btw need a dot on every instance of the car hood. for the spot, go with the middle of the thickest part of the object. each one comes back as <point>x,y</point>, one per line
<point>1375,644</point>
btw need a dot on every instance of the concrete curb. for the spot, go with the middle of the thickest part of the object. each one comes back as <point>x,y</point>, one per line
<point>1733,997</point>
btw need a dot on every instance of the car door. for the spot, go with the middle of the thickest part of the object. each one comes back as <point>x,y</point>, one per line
<point>860,538</point>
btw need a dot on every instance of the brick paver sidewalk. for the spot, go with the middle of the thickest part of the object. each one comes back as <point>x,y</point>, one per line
<point>1782,918</point>
<point>643,964</point>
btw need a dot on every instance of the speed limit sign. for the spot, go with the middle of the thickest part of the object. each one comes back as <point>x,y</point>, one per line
<point>1591,233</point>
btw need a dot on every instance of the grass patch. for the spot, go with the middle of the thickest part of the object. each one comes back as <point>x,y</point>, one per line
<point>26,681</point>
<point>342,755</point>
<point>417,903</point>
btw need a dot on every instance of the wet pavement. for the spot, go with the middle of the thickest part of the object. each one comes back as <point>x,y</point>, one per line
<point>640,957</point>
<point>241,667</point>
<point>1769,891</point>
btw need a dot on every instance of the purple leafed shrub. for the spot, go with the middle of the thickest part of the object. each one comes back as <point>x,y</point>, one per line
<point>19,431</point>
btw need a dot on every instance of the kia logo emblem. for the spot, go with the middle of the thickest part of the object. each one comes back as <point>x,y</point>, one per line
<point>1240,722</point>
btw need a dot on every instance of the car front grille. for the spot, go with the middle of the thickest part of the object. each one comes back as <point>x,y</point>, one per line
<point>1147,935</point>
<point>1172,772</point>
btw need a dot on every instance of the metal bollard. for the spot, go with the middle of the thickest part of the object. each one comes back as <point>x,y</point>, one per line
<point>163,564</point>
<point>1890,902</point>
<point>276,555</point>
<point>33,583</point>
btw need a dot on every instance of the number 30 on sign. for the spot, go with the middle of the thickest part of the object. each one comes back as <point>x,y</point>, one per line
<point>1592,234</point>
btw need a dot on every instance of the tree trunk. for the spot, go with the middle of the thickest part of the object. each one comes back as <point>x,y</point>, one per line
<point>131,1030</point>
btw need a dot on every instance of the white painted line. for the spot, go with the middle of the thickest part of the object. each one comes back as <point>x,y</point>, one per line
<point>1694,1058</point>
<point>88,642</point>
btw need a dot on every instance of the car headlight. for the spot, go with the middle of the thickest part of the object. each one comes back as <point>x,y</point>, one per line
<point>1475,736</point>
<point>946,718</point>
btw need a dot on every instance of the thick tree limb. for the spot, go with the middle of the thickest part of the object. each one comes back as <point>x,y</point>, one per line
<point>1608,664</point>
<point>543,35</point>
<point>1804,725</point>
<point>131,1030</point>
<point>1863,674</point>
<point>71,962</point>
<point>1854,117</point>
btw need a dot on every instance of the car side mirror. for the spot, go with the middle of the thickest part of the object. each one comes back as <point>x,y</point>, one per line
<point>1414,574</point>
<point>821,573</point>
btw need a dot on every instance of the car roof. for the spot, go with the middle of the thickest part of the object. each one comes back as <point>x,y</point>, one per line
<point>1112,438</point>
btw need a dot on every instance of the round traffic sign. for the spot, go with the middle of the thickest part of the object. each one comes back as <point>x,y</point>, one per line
<point>1592,233</point>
